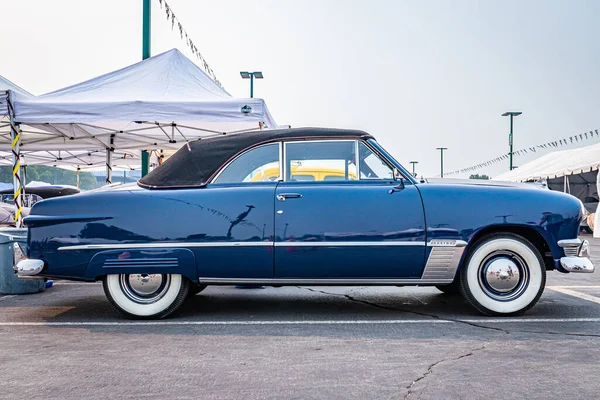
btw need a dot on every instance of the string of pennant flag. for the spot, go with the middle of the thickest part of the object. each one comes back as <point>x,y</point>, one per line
<point>188,40</point>
<point>528,150</point>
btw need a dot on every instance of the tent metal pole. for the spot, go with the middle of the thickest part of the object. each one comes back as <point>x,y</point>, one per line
<point>78,177</point>
<point>565,184</point>
<point>108,166</point>
<point>109,154</point>
<point>15,134</point>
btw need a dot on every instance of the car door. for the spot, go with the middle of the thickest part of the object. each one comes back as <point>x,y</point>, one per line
<point>348,218</point>
<point>235,217</point>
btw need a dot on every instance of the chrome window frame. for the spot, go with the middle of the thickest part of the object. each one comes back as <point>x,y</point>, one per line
<point>282,144</point>
<point>380,157</point>
<point>285,143</point>
<point>279,143</point>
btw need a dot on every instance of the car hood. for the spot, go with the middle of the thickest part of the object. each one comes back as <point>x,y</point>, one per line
<point>482,182</point>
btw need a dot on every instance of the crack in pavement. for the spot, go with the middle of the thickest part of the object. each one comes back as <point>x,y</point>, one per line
<point>459,321</point>
<point>435,364</point>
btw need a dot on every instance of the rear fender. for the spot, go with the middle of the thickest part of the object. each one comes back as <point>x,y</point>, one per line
<point>143,261</point>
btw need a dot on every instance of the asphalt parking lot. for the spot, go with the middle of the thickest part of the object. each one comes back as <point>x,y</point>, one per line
<point>303,342</point>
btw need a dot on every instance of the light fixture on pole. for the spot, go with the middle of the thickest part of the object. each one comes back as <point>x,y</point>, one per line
<point>441,149</point>
<point>251,76</point>
<point>413,167</point>
<point>510,135</point>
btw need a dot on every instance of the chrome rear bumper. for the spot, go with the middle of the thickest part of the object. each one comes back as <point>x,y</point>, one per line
<point>23,267</point>
<point>577,256</point>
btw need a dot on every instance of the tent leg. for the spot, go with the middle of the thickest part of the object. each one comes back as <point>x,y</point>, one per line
<point>108,166</point>
<point>78,177</point>
<point>109,151</point>
<point>15,135</point>
<point>565,184</point>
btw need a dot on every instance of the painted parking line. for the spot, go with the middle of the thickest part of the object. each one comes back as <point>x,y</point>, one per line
<point>6,297</point>
<point>573,287</point>
<point>307,322</point>
<point>570,292</point>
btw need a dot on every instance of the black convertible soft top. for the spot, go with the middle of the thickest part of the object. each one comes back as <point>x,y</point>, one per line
<point>194,164</point>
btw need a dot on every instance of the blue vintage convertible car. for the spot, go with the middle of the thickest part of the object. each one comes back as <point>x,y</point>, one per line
<point>215,214</point>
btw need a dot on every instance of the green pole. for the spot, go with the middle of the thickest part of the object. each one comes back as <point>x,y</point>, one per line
<point>441,149</point>
<point>510,142</point>
<point>146,54</point>
<point>251,84</point>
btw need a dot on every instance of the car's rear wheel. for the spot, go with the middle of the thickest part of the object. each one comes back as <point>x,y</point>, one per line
<point>503,274</point>
<point>149,296</point>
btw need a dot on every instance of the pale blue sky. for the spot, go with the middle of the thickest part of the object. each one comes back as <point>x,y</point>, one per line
<point>416,74</point>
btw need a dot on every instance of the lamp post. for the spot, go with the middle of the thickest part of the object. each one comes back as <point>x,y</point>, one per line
<point>510,135</point>
<point>145,54</point>
<point>251,76</point>
<point>413,165</point>
<point>441,149</point>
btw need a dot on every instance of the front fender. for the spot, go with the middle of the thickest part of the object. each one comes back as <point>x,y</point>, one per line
<point>461,211</point>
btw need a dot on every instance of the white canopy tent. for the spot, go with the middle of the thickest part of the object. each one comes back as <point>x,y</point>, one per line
<point>573,171</point>
<point>73,159</point>
<point>158,103</point>
<point>557,164</point>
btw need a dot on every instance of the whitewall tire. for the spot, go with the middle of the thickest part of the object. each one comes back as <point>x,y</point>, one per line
<point>503,274</point>
<point>148,296</point>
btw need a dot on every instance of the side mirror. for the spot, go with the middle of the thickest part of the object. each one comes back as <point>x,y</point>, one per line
<point>397,174</point>
<point>398,187</point>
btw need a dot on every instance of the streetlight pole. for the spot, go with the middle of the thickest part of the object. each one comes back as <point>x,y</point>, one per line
<point>251,76</point>
<point>146,54</point>
<point>413,165</point>
<point>441,149</point>
<point>510,135</point>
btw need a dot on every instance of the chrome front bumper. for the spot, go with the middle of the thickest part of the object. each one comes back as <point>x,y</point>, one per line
<point>577,256</point>
<point>25,268</point>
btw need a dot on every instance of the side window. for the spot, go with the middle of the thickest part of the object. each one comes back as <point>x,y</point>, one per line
<point>256,165</point>
<point>371,166</point>
<point>325,160</point>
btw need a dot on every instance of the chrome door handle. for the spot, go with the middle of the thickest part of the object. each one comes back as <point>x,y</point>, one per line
<point>283,196</point>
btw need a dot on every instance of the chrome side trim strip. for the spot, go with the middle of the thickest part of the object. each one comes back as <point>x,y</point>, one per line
<point>344,244</point>
<point>432,243</point>
<point>162,245</point>
<point>446,243</point>
<point>326,282</point>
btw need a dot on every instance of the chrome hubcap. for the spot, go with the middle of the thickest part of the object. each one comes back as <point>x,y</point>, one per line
<point>503,275</point>
<point>145,288</point>
<point>145,284</point>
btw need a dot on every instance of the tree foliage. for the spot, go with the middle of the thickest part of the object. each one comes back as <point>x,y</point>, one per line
<point>52,175</point>
<point>477,176</point>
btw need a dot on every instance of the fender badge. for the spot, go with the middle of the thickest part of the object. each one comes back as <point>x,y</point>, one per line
<point>246,109</point>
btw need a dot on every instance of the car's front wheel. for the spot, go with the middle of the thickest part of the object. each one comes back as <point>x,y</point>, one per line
<point>503,274</point>
<point>150,296</point>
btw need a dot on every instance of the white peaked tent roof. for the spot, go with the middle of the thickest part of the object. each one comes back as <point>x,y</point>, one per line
<point>19,92</point>
<point>160,102</point>
<point>556,165</point>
